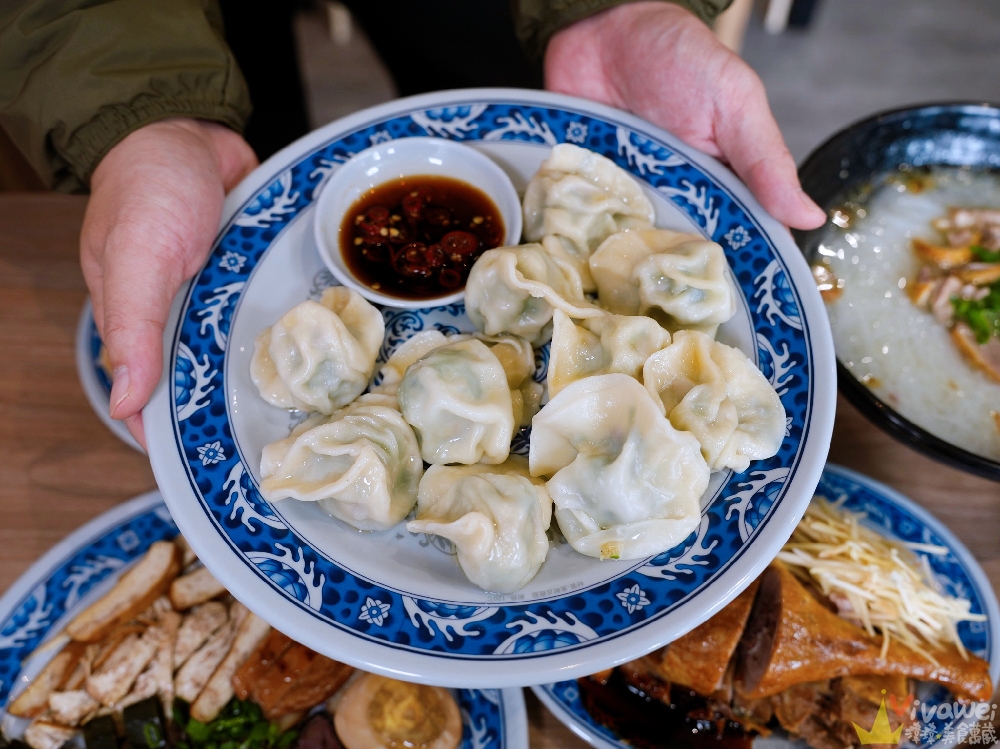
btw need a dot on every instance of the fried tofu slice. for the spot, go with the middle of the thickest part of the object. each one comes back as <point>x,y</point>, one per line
<point>135,592</point>
<point>257,664</point>
<point>219,690</point>
<point>45,735</point>
<point>299,679</point>
<point>188,557</point>
<point>198,669</point>
<point>33,701</point>
<point>699,659</point>
<point>196,628</point>
<point>792,638</point>
<point>194,588</point>
<point>70,708</point>
<point>113,680</point>
<point>158,678</point>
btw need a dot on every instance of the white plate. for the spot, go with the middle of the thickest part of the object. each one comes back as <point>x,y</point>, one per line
<point>397,603</point>
<point>892,514</point>
<point>87,564</point>
<point>94,378</point>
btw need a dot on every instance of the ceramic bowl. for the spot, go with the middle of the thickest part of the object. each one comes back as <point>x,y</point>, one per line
<point>951,134</point>
<point>402,158</point>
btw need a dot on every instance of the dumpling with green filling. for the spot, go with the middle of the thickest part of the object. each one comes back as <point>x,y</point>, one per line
<point>680,279</point>
<point>515,289</point>
<point>624,481</point>
<point>320,355</point>
<point>715,392</point>
<point>576,200</point>
<point>497,517</point>
<point>458,402</point>
<point>362,465</point>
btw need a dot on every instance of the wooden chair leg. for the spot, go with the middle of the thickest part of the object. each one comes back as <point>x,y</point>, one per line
<point>731,26</point>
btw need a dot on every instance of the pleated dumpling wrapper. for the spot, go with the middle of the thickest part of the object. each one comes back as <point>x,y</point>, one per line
<point>681,279</point>
<point>458,402</point>
<point>625,483</point>
<point>715,392</point>
<point>514,290</point>
<point>576,200</point>
<point>601,345</point>
<point>496,516</point>
<point>362,465</point>
<point>320,355</point>
<point>515,354</point>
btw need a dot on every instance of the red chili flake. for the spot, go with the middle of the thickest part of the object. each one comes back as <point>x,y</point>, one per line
<point>459,243</point>
<point>411,261</point>
<point>437,216</point>
<point>413,206</point>
<point>434,256</point>
<point>449,278</point>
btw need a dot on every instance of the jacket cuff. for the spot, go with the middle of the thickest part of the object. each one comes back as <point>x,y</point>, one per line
<point>92,141</point>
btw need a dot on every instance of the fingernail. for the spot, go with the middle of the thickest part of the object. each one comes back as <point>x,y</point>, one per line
<point>119,388</point>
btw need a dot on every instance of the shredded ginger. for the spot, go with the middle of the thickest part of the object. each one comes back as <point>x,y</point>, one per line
<point>877,583</point>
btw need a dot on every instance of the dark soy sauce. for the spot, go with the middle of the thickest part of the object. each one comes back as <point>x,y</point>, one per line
<point>417,237</point>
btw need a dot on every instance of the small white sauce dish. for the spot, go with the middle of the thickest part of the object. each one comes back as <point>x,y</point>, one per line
<point>392,160</point>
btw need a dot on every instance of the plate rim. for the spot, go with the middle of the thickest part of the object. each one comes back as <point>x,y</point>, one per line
<point>92,388</point>
<point>513,708</point>
<point>428,667</point>
<point>971,565</point>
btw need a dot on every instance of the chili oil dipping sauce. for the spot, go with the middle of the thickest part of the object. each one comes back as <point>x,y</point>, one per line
<point>417,237</point>
<point>403,221</point>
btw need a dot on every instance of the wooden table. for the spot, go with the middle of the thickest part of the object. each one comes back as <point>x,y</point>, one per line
<point>61,466</point>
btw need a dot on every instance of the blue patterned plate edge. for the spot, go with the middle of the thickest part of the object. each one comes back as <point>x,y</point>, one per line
<point>433,664</point>
<point>85,563</point>
<point>913,523</point>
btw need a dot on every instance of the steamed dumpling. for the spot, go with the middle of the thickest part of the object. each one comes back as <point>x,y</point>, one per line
<point>680,277</point>
<point>495,515</point>
<point>577,199</point>
<point>517,357</point>
<point>515,354</point>
<point>514,290</point>
<point>319,355</point>
<point>625,483</point>
<point>458,402</point>
<point>715,392</point>
<point>410,351</point>
<point>601,345</point>
<point>362,465</point>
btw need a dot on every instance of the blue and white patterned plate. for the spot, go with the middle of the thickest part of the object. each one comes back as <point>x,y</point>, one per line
<point>88,563</point>
<point>958,573</point>
<point>92,369</point>
<point>397,603</point>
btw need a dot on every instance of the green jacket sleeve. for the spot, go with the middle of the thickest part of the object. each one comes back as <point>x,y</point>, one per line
<point>537,20</point>
<point>77,76</point>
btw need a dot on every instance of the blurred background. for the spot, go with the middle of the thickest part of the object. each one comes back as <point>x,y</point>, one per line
<point>828,64</point>
<point>825,63</point>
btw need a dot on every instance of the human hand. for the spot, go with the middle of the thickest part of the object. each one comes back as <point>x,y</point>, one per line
<point>154,209</point>
<point>658,60</point>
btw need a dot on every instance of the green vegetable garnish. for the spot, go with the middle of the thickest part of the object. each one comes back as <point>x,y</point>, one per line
<point>240,725</point>
<point>984,255</point>
<point>981,315</point>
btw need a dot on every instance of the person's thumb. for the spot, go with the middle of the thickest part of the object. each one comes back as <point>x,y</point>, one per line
<point>751,142</point>
<point>138,290</point>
